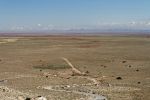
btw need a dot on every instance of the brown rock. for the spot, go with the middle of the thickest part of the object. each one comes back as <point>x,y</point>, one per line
<point>124,61</point>
<point>119,78</point>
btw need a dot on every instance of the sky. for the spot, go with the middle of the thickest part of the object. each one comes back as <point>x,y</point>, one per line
<point>48,15</point>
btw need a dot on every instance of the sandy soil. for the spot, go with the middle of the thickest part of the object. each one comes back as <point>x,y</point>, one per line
<point>31,67</point>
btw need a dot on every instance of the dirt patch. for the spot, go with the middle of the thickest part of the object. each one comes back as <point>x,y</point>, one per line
<point>8,40</point>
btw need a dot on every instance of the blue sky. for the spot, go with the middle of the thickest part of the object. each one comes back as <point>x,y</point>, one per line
<point>47,15</point>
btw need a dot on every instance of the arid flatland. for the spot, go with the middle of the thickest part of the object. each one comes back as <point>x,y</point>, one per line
<point>32,66</point>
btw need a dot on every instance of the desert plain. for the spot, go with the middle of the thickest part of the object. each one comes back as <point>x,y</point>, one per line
<point>32,67</point>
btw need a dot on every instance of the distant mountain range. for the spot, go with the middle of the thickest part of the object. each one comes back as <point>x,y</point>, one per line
<point>78,32</point>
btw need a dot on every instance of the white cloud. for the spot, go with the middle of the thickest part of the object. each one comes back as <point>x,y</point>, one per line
<point>133,23</point>
<point>148,23</point>
<point>17,28</point>
<point>48,27</point>
<point>39,25</point>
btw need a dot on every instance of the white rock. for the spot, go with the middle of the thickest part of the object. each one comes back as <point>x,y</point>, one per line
<point>20,98</point>
<point>68,86</point>
<point>40,98</point>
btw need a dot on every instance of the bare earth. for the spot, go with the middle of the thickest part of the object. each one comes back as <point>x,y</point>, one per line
<point>33,66</point>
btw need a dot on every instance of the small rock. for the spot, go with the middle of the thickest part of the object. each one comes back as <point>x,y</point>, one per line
<point>119,78</point>
<point>62,87</point>
<point>20,98</point>
<point>68,86</point>
<point>93,92</point>
<point>87,72</point>
<point>40,70</point>
<point>129,65</point>
<point>40,98</point>
<point>28,99</point>
<point>105,66</point>
<point>55,75</point>
<point>4,90</point>
<point>137,70</point>
<point>139,82</point>
<point>124,61</point>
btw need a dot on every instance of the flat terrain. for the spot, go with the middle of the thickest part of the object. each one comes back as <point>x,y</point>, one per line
<point>33,66</point>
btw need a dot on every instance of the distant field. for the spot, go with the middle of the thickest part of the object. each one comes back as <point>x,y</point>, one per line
<point>123,62</point>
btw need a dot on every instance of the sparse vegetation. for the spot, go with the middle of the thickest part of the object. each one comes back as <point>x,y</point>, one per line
<point>52,66</point>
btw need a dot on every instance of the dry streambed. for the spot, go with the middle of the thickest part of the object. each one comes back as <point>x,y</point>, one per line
<point>76,89</point>
<point>94,92</point>
<point>88,91</point>
<point>6,93</point>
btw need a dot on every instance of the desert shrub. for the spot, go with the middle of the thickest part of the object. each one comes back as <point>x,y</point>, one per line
<point>51,66</point>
